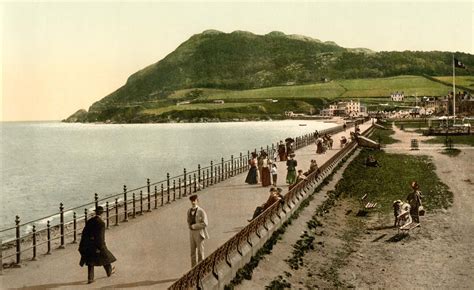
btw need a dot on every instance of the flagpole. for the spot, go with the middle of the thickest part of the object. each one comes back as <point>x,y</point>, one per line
<point>454,92</point>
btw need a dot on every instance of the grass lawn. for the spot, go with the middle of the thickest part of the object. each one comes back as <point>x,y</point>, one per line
<point>383,136</point>
<point>465,140</point>
<point>410,85</point>
<point>392,180</point>
<point>465,81</point>
<point>356,88</point>
<point>197,106</point>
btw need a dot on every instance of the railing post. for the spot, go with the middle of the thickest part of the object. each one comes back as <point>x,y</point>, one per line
<point>199,173</point>
<point>168,186</point>
<point>174,189</point>
<point>184,181</point>
<point>61,224</point>
<point>190,184</point>
<point>149,199</point>
<point>156,197</point>
<point>141,202</point>
<point>107,214</point>
<point>18,240</point>
<point>222,168</point>
<point>148,190</point>
<point>74,228</point>
<point>116,212</point>
<point>148,185</point>
<point>232,165</point>
<point>240,167</point>
<point>96,199</point>
<point>34,243</point>
<point>195,185</point>
<point>212,171</point>
<point>179,187</point>
<point>48,228</point>
<point>162,193</point>
<point>133,204</point>
<point>215,175</point>
<point>125,209</point>
<point>85,215</point>
<point>207,177</point>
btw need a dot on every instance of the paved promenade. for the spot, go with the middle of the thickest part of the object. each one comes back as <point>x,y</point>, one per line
<point>153,250</point>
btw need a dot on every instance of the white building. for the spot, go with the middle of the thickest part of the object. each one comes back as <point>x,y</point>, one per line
<point>349,108</point>
<point>352,108</point>
<point>397,97</point>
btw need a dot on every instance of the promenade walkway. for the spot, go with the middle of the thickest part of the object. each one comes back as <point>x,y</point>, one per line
<point>153,251</point>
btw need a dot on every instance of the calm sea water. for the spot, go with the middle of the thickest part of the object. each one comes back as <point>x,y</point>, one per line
<point>45,163</point>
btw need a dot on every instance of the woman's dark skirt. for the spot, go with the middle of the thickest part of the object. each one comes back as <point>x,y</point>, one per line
<point>266,181</point>
<point>252,176</point>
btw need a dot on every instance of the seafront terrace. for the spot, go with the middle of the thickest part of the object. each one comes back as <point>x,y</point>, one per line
<point>153,251</point>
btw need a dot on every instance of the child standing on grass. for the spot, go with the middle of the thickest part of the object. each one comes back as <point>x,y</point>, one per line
<point>274,173</point>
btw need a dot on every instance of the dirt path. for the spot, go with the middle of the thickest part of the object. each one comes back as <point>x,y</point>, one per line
<point>437,255</point>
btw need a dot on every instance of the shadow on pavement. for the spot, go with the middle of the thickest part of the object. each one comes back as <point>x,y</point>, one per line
<point>397,238</point>
<point>138,284</point>
<point>54,285</point>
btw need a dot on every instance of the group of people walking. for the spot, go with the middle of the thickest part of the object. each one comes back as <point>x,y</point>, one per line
<point>261,168</point>
<point>323,143</point>
<point>93,249</point>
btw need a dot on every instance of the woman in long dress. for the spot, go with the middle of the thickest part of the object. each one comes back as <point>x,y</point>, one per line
<point>291,169</point>
<point>266,180</point>
<point>319,146</point>
<point>252,175</point>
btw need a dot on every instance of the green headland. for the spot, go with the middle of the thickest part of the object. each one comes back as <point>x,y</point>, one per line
<point>216,76</point>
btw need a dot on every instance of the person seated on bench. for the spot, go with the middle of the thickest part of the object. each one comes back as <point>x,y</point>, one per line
<point>371,161</point>
<point>274,197</point>
<point>343,141</point>
<point>299,178</point>
<point>313,166</point>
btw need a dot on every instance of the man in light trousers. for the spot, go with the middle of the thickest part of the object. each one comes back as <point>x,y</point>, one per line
<point>197,222</point>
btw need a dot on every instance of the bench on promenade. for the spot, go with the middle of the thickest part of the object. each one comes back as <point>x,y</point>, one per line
<point>407,227</point>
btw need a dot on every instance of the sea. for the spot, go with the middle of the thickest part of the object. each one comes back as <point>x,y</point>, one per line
<point>44,164</point>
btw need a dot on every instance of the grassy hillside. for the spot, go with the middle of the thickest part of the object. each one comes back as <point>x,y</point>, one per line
<point>268,103</point>
<point>465,81</point>
<point>242,67</point>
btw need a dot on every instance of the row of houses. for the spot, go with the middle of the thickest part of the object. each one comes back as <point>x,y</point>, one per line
<point>345,108</point>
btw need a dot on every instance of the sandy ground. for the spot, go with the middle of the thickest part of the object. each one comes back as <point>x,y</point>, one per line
<point>437,255</point>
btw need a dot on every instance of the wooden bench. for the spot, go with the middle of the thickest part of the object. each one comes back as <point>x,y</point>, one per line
<point>407,227</point>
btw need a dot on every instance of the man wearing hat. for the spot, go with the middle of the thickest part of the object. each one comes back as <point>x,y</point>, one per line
<point>92,247</point>
<point>197,222</point>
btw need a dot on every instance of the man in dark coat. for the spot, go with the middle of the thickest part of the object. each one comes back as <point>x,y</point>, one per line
<point>92,247</point>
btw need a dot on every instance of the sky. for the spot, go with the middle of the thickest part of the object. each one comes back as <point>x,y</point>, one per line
<point>59,57</point>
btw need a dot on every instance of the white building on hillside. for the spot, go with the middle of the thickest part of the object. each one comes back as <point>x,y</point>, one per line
<point>397,97</point>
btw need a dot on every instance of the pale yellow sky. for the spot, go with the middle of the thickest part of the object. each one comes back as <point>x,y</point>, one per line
<point>58,57</point>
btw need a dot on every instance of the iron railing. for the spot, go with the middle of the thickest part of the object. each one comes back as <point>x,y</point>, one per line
<point>192,279</point>
<point>69,222</point>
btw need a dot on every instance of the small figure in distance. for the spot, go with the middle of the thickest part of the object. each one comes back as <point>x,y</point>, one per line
<point>371,161</point>
<point>414,199</point>
<point>343,141</point>
<point>274,173</point>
